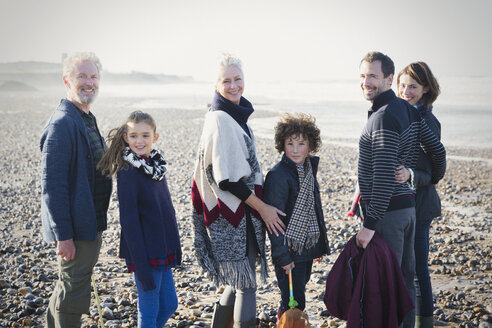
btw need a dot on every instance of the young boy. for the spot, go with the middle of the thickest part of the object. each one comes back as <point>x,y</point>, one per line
<point>291,186</point>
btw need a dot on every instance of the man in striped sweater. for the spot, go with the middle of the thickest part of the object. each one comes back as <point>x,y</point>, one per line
<point>393,134</point>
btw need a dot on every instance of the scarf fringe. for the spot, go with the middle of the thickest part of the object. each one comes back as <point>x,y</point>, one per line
<point>298,246</point>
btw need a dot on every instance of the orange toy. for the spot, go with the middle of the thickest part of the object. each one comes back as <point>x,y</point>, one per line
<point>293,318</point>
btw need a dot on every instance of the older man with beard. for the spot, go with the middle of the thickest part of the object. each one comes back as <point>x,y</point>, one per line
<point>75,195</point>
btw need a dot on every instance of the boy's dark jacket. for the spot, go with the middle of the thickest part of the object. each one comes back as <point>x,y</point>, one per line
<point>280,190</point>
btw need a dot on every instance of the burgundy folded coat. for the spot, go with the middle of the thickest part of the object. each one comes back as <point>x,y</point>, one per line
<point>366,287</point>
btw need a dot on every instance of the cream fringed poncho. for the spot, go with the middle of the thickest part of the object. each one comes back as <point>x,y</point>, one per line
<point>226,152</point>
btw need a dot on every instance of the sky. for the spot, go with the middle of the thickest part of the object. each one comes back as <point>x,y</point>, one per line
<point>277,40</point>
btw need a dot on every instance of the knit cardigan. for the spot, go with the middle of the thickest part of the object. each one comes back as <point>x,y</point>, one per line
<point>226,152</point>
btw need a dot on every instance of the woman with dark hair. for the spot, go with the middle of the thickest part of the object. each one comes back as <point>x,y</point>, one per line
<point>229,216</point>
<point>417,85</point>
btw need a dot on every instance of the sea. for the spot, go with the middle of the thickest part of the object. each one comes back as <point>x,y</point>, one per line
<point>464,107</point>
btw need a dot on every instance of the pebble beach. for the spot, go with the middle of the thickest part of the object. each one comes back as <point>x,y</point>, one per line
<point>461,240</point>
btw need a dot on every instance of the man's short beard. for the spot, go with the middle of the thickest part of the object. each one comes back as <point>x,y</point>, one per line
<point>85,100</point>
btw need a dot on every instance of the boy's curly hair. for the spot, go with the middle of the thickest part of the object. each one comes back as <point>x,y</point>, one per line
<point>295,125</point>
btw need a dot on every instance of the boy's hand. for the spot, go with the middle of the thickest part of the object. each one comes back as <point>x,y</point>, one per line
<point>291,266</point>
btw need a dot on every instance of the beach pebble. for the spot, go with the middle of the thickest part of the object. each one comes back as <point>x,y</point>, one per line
<point>460,241</point>
<point>107,313</point>
<point>264,317</point>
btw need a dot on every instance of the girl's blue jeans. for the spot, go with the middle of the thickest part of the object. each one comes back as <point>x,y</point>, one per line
<point>156,306</point>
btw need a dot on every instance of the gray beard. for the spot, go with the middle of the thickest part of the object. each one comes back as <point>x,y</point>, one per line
<point>86,100</point>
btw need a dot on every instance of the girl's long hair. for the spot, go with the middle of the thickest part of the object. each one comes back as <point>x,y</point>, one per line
<point>112,160</point>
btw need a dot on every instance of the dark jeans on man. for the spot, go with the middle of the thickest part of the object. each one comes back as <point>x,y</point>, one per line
<point>300,277</point>
<point>424,302</point>
<point>398,229</point>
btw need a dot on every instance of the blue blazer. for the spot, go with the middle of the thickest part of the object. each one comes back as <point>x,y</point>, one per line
<point>67,177</point>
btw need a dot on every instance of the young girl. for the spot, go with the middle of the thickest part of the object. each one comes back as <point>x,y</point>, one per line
<point>149,234</point>
<point>291,186</point>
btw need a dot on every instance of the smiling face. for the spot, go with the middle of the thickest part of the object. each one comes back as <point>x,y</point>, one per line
<point>140,137</point>
<point>372,80</point>
<point>82,84</point>
<point>297,148</point>
<point>410,90</point>
<point>230,84</point>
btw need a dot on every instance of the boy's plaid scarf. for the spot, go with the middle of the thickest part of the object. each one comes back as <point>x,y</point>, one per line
<point>303,231</point>
<point>154,167</point>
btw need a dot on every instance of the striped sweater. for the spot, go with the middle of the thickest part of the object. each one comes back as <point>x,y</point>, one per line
<point>393,135</point>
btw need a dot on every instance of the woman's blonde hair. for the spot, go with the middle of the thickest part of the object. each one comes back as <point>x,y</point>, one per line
<point>226,59</point>
<point>112,160</point>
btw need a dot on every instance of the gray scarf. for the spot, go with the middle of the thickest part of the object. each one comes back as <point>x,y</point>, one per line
<point>303,231</point>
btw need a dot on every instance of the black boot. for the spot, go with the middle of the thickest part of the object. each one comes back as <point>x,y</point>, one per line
<point>424,322</point>
<point>223,316</point>
<point>249,324</point>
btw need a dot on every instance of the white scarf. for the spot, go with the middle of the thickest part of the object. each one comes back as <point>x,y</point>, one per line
<point>226,152</point>
<point>154,168</point>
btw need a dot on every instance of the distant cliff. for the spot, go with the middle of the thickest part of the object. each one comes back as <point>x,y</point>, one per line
<point>8,86</point>
<point>41,75</point>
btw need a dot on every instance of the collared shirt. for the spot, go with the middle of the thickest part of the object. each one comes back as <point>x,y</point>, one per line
<point>102,184</point>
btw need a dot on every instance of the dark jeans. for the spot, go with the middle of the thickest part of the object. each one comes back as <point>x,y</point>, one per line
<point>300,277</point>
<point>398,229</point>
<point>424,303</point>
